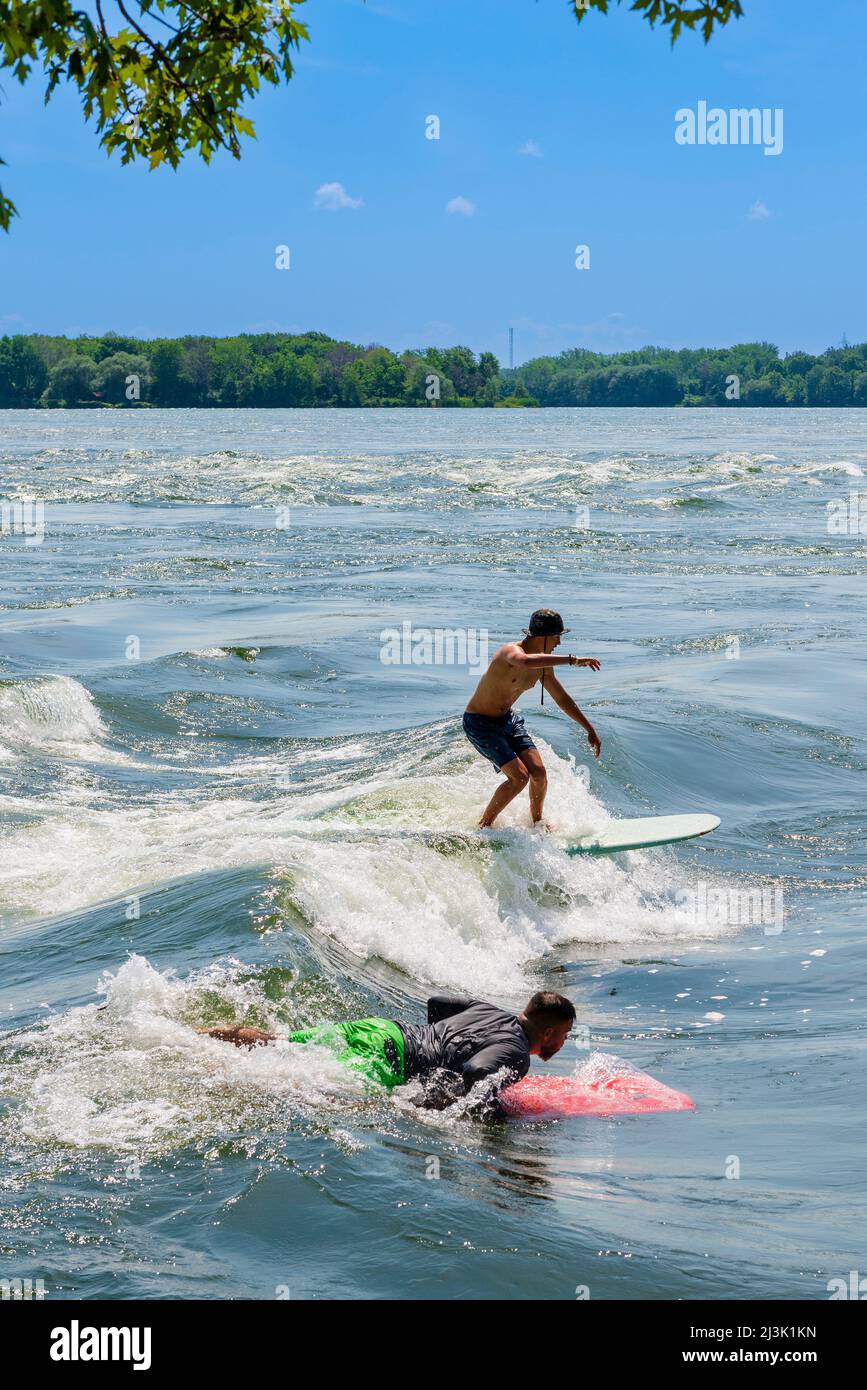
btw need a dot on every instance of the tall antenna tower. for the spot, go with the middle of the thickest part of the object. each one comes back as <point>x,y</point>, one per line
<point>511,347</point>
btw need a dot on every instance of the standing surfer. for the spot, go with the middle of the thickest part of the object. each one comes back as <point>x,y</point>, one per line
<point>498,733</point>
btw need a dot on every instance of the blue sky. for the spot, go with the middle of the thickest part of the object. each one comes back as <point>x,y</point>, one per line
<point>689,245</point>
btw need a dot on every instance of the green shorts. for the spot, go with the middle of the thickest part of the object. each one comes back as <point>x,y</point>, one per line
<point>373,1046</point>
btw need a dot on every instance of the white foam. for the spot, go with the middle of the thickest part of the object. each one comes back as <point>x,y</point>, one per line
<point>136,1077</point>
<point>54,715</point>
<point>851,470</point>
<point>472,915</point>
<point>742,458</point>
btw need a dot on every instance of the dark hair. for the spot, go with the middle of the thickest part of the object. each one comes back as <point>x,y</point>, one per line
<point>547,1009</point>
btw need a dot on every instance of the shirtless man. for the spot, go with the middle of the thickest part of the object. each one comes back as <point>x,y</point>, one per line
<point>498,733</point>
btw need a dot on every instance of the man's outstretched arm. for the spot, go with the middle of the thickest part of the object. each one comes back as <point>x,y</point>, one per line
<point>515,655</point>
<point>562,698</point>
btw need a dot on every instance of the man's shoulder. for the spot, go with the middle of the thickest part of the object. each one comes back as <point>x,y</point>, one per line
<point>504,655</point>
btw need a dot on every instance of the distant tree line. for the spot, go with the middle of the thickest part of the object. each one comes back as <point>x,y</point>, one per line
<point>311,369</point>
<point>750,374</point>
<point>264,369</point>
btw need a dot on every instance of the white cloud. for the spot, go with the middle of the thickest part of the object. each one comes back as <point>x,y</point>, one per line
<point>462,206</point>
<point>531,148</point>
<point>758,212</point>
<point>333,196</point>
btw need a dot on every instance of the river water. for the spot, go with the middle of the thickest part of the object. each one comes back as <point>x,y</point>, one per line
<point>211,780</point>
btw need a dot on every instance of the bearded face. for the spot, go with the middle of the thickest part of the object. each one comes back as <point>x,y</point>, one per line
<point>552,1040</point>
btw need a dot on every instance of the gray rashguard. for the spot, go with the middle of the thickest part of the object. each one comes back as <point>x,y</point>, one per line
<point>468,1037</point>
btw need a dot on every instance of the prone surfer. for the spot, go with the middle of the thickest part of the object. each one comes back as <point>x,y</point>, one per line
<point>498,733</point>
<point>464,1043</point>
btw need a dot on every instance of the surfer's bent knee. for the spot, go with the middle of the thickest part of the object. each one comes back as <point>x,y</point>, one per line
<point>516,773</point>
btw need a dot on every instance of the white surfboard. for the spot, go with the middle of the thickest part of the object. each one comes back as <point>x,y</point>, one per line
<point>643,833</point>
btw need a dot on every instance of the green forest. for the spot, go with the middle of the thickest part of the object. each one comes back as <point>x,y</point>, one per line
<point>311,369</point>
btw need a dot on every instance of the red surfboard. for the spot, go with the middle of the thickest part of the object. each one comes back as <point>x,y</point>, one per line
<point>603,1085</point>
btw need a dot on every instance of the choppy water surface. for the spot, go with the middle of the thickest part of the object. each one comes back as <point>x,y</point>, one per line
<point>208,782</point>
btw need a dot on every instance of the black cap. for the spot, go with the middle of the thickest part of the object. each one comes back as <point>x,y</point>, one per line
<point>546,623</point>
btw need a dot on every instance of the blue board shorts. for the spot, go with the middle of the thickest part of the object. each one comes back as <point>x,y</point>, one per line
<point>500,740</point>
